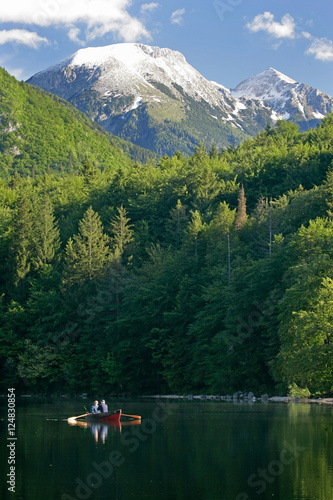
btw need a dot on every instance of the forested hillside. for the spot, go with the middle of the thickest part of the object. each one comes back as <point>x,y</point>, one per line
<point>209,273</point>
<point>41,133</point>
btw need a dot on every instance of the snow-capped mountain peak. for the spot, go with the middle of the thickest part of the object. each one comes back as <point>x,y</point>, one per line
<point>288,98</point>
<point>128,53</point>
<point>267,84</point>
<point>130,88</point>
<point>131,69</point>
<point>280,75</point>
<point>272,72</point>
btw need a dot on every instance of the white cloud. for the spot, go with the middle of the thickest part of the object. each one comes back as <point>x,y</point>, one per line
<point>177,16</point>
<point>266,22</point>
<point>99,16</point>
<point>277,45</point>
<point>306,34</point>
<point>149,7</point>
<point>322,49</point>
<point>73,34</point>
<point>18,73</point>
<point>22,37</point>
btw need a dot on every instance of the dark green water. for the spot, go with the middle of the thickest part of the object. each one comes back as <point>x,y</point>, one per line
<point>189,450</point>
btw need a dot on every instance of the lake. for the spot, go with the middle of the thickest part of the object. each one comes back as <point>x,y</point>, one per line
<point>182,450</point>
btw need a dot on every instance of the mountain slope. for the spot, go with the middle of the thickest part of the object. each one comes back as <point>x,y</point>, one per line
<point>152,97</point>
<point>290,100</point>
<point>40,132</point>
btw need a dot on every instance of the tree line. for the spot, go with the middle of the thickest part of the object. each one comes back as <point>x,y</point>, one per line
<point>211,272</point>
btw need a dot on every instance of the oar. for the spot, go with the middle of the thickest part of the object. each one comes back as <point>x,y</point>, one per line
<point>80,416</point>
<point>74,418</point>
<point>131,416</point>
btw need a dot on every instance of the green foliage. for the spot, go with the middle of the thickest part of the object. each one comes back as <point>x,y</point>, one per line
<point>46,232</point>
<point>37,363</point>
<point>122,233</point>
<point>297,392</point>
<point>86,255</point>
<point>41,133</point>
<point>187,289</point>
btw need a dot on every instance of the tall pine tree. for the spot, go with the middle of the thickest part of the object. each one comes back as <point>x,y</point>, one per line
<point>241,215</point>
<point>87,253</point>
<point>20,258</point>
<point>46,232</point>
<point>122,232</point>
<point>194,229</point>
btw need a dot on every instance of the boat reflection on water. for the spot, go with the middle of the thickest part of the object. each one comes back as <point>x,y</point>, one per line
<point>100,430</point>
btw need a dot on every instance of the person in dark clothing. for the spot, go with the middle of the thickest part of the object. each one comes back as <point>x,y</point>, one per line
<point>102,407</point>
<point>94,408</point>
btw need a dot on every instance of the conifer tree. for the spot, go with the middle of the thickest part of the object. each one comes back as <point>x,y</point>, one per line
<point>176,224</point>
<point>87,253</point>
<point>200,154</point>
<point>213,153</point>
<point>208,187</point>
<point>195,227</point>
<point>223,219</point>
<point>22,242</point>
<point>241,215</point>
<point>89,170</point>
<point>46,232</point>
<point>122,232</point>
<point>263,226</point>
<point>122,235</point>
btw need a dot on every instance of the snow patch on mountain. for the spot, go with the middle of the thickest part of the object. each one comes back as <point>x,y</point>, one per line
<point>238,106</point>
<point>318,115</point>
<point>279,116</point>
<point>137,102</point>
<point>148,74</point>
<point>128,66</point>
<point>280,75</point>
<point>110,83</point>
<point>288,98</point>
<point>264,86</point>
<point>219,86</point>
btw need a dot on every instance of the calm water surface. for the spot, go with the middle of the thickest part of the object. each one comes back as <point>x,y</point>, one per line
<point>183,450</point>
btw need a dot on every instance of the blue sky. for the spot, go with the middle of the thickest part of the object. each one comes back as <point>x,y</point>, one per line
<point>226,40</point>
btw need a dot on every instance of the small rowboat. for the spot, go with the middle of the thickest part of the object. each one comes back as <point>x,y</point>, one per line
<point>109,416</point>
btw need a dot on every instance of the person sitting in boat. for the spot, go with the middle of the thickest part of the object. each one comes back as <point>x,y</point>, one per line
<point>94,408</point>
<point>103,408</point>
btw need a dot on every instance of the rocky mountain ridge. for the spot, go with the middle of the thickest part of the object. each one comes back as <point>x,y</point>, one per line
<point>290,100</point>
<point>154,98</point>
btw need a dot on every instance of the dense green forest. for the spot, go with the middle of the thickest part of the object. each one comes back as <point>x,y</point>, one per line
<point>204,273</point>
<point>41,133</point>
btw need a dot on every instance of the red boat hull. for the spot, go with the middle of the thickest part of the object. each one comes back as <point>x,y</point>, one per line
<point>110,416</point>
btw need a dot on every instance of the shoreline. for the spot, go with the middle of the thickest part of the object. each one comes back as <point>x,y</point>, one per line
<point>244,398</point>
<point>235,398</point>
